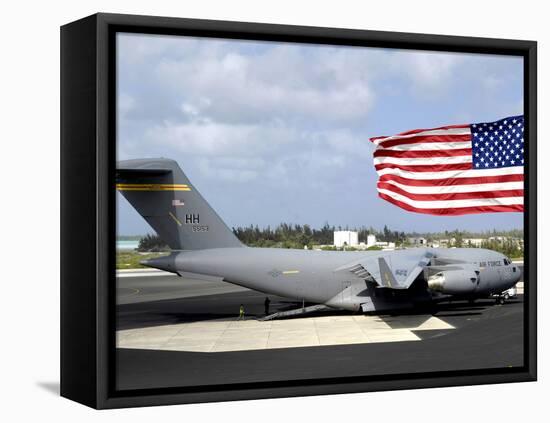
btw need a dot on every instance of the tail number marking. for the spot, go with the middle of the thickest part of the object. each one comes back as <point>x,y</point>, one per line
<point>202,228</point>
<point>191,219</point>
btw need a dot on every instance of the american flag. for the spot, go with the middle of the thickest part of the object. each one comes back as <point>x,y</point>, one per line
<point>454,170</point>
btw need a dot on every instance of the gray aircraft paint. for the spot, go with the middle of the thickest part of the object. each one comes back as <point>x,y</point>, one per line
<point>371,280</point>
<point>168,201</point>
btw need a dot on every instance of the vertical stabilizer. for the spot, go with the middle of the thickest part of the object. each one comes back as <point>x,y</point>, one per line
<point>162,194</point>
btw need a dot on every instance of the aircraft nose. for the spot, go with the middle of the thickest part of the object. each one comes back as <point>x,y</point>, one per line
<point>166,263</point>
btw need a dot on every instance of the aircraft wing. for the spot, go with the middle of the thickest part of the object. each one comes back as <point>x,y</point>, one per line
<point>388,270</point>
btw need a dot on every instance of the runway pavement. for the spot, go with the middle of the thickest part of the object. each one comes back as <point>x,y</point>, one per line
<point>154,285</point>
<point>173,331</point>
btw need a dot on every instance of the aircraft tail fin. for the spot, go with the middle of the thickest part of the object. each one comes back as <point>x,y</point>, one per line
<point>162,194</point>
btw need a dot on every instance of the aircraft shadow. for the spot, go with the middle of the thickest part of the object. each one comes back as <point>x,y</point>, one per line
<point>226,307</point>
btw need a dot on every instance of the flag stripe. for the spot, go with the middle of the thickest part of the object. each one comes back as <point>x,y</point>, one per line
<point>435,204</point>
<point>457,188</point>
<point>451,173</point>
<point>425,161</point>
<point>425,168</point>
<point>450,195</point>
<point>455,211</point>
<point>452,181</point>
<point>418,139</point>
<point>439,145</point>
<point>383,152</point>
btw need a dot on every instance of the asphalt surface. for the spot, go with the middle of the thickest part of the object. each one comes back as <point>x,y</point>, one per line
<point>154,286</point>
<point>485,336</point>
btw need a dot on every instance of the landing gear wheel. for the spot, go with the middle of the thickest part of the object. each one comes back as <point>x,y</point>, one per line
<point>500,300</point>
<point>506,297</point>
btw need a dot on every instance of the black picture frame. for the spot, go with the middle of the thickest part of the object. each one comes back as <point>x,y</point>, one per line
<point>88,107</point>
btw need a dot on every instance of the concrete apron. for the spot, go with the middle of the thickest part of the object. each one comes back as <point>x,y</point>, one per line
<point>241,335</point>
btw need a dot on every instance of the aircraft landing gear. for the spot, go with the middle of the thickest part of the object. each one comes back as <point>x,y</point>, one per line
<point>501,300</point>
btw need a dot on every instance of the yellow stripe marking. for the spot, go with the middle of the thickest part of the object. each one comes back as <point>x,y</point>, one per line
<point>148,185</point>
<point>147,189</point>
<point>290,272</point>
<point>175,218</point>
<point>153,187</point>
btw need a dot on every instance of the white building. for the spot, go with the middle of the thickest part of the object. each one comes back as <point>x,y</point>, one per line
<point>371,240</point>
<point>474,242</point>
<point>388,246</point>
<point>418,242</point>
<point>497,238</point>
<point>349,238</point>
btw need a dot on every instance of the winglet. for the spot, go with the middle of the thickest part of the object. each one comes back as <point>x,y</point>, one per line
<point>387,279</point>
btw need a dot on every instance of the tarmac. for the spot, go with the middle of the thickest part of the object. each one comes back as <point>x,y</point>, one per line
<point>242,335</point>
<point>173,331</point>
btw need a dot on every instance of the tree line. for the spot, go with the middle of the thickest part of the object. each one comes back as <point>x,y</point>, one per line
<point>287,235</point>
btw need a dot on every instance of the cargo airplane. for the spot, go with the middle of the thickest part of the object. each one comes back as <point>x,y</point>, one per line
<point>204,247</point>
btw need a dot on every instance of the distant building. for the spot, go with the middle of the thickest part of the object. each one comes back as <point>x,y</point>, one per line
<point>418,242</point>
<point>349,238</point>
<point>518,242</point>
<point>385,245</point>
<point>371,240</point>
<point>472,242</point>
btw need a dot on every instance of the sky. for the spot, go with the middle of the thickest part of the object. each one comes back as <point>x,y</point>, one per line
<point>273,132</point>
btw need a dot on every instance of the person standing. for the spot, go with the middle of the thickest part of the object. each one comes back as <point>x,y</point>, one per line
<point>266,305</point>
<point>241,312</point>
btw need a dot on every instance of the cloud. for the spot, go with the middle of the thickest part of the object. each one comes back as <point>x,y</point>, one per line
<point>229,169</point>
<point>209,138</point>
<point>280,83</point>
<point>430,70</point>
<point>125,105</point>
<point>276,118</point>
<point>273,152</point>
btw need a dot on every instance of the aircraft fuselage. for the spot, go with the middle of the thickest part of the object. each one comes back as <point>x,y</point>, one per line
<point>322,276</point>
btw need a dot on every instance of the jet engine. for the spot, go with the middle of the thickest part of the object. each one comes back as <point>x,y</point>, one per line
<point>454,282</point>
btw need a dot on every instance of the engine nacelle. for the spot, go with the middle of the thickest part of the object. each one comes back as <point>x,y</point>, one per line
<point>454,282</point>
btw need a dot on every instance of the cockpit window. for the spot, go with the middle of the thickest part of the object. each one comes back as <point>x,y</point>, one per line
<point>507,262</point>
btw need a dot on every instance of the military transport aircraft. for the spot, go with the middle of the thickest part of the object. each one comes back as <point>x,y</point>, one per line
<point>203,247</point>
